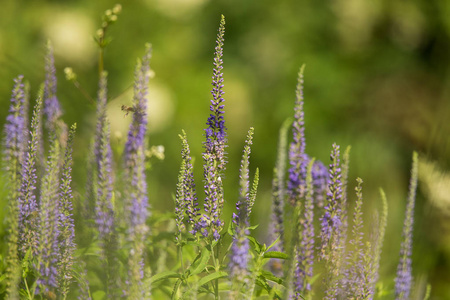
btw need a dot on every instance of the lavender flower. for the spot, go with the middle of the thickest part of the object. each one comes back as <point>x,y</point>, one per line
<point>104,209</point>
<point>403,281</point>
<point>214,155</point>
<point>66,224</point>
<point>276,226</point>
<point>239,255</point>
<point>215,133</point>
<point>136,195</point>
<point>134,156</point>
<point>319,181</point>
<point>28,208</point>
<point>297,157</point>
<point>103,154</point>
<point>14,145</point>
<point>331,220</point>
<point>331,227</point>
<point>49,213</point>
<point>52,108</point>
<point>299,160</point>
<point>14,140</point>
<point>305,253</point>
<point>186,204</point>
<point>378,244</point>
<point>355,278</point>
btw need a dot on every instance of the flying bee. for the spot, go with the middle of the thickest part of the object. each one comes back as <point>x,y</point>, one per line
<point>127,109</point>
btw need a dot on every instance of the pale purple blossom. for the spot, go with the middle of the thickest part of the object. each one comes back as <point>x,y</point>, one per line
<point>48,252</point>
<point>134,155</point>
<point>239,255</point>
<point>28,207</point>
<point>52,108</point>
<point>66,223</point>
<point>403,281</point>
<point>214,154</point>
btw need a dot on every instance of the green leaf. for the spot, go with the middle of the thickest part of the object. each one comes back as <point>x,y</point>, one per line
<point>212,277</point>
<point>164,275</point>
<point>261,281</point>
<point>253,227</point>
<point>256,246</point>
<point>231,231</point>
<point>98,295</point>
<point>200,262</point>
<point>276,254</point>
<point>269,276</point>
<point>175,289</point>
<point>274,242</point>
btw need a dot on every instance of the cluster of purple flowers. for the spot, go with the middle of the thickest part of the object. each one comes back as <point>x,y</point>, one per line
<point>214,155</point>
<point>41,235</point>
<point>351,266</point>
<point>240,249</point>
<point>44,221</point>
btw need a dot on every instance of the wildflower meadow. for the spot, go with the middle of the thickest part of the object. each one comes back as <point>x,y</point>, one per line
<point>102,238</point>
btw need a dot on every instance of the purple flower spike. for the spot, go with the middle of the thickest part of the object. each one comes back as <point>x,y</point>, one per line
<point>331,228</point>
<point>240,249</point>
<point>186,204</point>
<point>215,133</point>
<point>66,222</point>
<point>104,207</point>
<point>49,218</point>
<point>14,140</point>
<point>297,157</point>
<point>214,155</point>
<point>134,156</point>
<point>404,278</point>
<point>136,199</point>
<point>52,108</point>
<point>28,208</point>
<point>14,149</point>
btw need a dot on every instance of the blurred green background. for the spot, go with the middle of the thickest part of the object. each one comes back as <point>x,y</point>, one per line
<point>377,77</point>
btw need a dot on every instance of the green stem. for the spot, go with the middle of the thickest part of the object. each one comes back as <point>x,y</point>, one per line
<point>27,289</point>
<point>100,62</point>
<point>217,269</point>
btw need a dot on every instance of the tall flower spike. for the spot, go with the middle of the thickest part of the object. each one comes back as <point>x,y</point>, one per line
<point>379,240</point>
<point>52,108</point>
<point>66,224</point>
<point>215,133</point>
<point>403,281</point>
<point>214,155</point>
<point>104,181</point>
<point>239,255</point>
<point>186,204</point>
<point>134,156</point>
<point>331,227</point>
<point>14,144</point>
<point>28,208</point>
<point>49,231</point>
<point>14,140</point>
<point>297,157</point>
<point>278,190</point>
<point>136,199</point>
<point>305,257</point>
<point>355,256</point>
